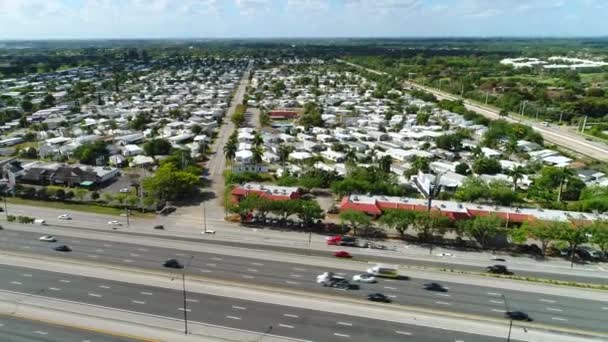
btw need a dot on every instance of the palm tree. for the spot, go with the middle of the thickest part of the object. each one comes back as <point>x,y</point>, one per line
<point>516,174</point>
<point>476,151</point>
<point>257,139</point>
<point>284,151</point>
<point>230,149</point>
<point>385,163</point>
<point>351,156</point>
<point>510,147</point>
<point>256,154</point>
<point>564,176</point>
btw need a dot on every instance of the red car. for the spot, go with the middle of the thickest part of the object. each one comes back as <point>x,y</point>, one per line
<point>342,254</point>
<point>333,240</point>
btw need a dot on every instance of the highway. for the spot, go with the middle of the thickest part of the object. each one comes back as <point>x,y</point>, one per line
<point>23,330</point>
<point>217,310</point>
<point>553,310</point>
<point>557,136</point>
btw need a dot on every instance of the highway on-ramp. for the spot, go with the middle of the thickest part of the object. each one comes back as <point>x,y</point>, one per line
<point>297,323</point>
<point>481,301</point>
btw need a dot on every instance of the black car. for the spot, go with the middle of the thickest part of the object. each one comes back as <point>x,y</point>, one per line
<point>173,263</point>
<point>498,269</point>
<point>63,248</point>
<point>518,316</point>
<point>435,287</point>
<point>378,297</point>
<point>159,226</point>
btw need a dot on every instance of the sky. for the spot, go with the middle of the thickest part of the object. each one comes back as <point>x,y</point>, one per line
<point>82,19</point>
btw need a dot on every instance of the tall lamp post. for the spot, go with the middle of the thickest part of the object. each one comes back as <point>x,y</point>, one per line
<point>504,300</point>
<point>184,293</point>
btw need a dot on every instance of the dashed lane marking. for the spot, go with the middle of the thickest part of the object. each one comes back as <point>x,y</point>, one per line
<point>286,326</point>
<point>234,317</point>
<point>182,309</point>
<point>547,300</point>
<point>403,332</point>
<point>443,303</point>
<point>95,295</point>
<point>345,323</point>
<point>138,302</point>
<point>290,315</point>
<point>16,283</point>
<point>146,293</point>
<point>238,307</point>
<point>342,335</point>
<point>554,309</point>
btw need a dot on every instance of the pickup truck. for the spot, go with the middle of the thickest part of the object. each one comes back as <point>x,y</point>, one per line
<point>328,279</point>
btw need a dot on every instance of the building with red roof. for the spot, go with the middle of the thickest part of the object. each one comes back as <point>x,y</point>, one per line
<point>283,114</point>
<point>271,192</point>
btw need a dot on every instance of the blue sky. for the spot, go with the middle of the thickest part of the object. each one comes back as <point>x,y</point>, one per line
<point>40,19</point>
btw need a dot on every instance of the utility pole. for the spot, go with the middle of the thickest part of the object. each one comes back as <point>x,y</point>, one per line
<point>504,300</point>
<point>184,293</point>
<point>5,207</point>
<point>584,125</point>
<point>561,115</point>
<point>487,94</point>
<point>523,108</point>
<point>205,217</point>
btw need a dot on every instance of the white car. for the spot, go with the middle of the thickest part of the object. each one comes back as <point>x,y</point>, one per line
<point>364,278</point>
<point>64,217</point>
<point>445,254</point>
<point>125,190</point>
<point>114,223</point>
<point>48,238</point>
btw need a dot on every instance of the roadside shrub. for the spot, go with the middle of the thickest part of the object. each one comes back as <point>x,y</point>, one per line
<point>11,218</point>
<point>25,219</point>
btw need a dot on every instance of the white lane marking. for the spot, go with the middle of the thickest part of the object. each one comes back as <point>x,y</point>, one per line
<point>392,296</point>
<point>299,269</point>
<point>443,303</point>
<point>605,308</point>
<point>192,300</point>
<point>142,249</point>
<point>252,270</point>
<point>296,276</point>
<point>496,310</point>
<point>442,294</point>
<point>234,317</point>
<point>248,276</point>
<point>99,250</point>
<point>292,282</point>
<point>146,293</point>
<point>558,319</point>
<point>554,309</point>
<point>95,295</point>
<point>65,281</point>
<point>547,300</point>
<point>138,302</point>
<point>27,275</point>
<point>238,307</point>
<point>41,332</point>
<point>104,286</point>
<point>128,260</point>
<point>212,265</point>
<point>389,288</point>
<point>497,301</point>
<point>180,254</point>
<point>182,309</point>
<point>342,335</point>
<point>286,326</point>
<point>345,323</point>
<point>216,259</point>
<point>133,255</point>
<point>92,256</point>
<point>107,245</point>
<point>403,332</point>
<point>257,264</point>
<point>16,283</point>
<point>290,315</point>
<point>25,247</point>
<point>75,241</point>
<point>493,294</point>
<point>205,271</point>
<point>54,289</point>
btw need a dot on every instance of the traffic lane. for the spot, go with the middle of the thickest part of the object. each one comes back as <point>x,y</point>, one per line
<point>462,299</point>
<point>379,259</point>
<point>24,330</point>
<point>217,310</point>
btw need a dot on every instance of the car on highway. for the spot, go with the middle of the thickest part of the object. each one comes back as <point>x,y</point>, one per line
<point>208,231</point>
<point>63,248</point>
<point>378,297</point>
<point>381,270</point>
<point>173,263</point>
<point>342,254</point>
<point>364,278</point>
<point>518,316</point>
<point>64,217</point>
<point>434,287</point>
<point>159,226</point>
<point>498,269</point>
<point>498,259</point>
<point>48,238</point>
<point>114,223</point>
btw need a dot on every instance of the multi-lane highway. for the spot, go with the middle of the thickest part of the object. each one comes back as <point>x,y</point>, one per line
<point>220,311</point>
<point>14,329</point>
<point>481,301</point>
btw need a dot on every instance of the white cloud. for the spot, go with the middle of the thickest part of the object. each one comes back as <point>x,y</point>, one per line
<point>251,7</point>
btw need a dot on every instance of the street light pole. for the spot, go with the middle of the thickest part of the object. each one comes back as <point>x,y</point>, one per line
<point>205,217</point>
<point>184,293</point>
<point>504,300</point>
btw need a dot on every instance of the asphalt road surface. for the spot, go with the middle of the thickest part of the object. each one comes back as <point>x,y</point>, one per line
<point>222,311</point>
<point>550,310</point>
<point>22,330</point>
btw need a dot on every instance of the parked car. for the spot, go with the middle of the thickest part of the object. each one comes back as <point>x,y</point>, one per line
<point>342,254</point>
<point>378,297</point>
<point>48,238</point>
<point>498,269</point>
<point>518,316</point>
<point>208,231</point>
<point>364,278</point>
<point>64,217</point>
<point>159,226</point>
<point>63,248</point>
<point>173,263</point>
<point>435,287</point>
<point>114,223</point>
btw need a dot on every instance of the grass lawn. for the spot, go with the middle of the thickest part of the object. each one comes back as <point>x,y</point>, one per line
<point>90,208</point>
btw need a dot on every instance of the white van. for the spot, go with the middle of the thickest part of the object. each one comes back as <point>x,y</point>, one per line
<point>40,222</point>
<point>388,271</point>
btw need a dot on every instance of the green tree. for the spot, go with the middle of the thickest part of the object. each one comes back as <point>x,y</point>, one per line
<point>91,152</point>
<point>543,231</point>
<point>400,220</point>
<point>501,193</point>
<point>156,147</point>
<point>80,193</point>
<point>599,235</point>
<point>230,148</point>
<point>309,211</point>
<point>482,229</point>
<point>384,163</point>
<point>463,169</point>
<point>169,183</point>
<point>284,151</point>
<point>428,225</point>
<point>471,190</point>
<point>516,174</point>
<point>488,166</point>
<point>196,129</point>
<point>573,235</point>
<point>355,220</point>
<point>284,209</point>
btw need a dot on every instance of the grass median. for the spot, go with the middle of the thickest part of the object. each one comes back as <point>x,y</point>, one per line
<point>89,208</point>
